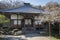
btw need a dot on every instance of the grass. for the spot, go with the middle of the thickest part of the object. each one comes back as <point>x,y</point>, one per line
<point>53,38</point>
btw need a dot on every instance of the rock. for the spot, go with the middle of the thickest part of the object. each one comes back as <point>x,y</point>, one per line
<point>10,32</point>
<point>18,32</point>
<point>13,31</point>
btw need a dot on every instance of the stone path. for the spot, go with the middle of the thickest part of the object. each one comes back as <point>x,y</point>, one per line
<point>26,37</point>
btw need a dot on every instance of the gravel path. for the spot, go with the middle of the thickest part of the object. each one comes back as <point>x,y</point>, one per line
<point>25,37</point>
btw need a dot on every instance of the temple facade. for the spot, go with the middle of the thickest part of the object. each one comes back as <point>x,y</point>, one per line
<point>25,17</point>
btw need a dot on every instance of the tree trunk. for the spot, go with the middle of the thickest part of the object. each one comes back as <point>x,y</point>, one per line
<point>49,29</point>
<point>59,29</point>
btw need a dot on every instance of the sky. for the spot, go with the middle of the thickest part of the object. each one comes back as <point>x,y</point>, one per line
<point>40,2</point>
<point>36,2</point>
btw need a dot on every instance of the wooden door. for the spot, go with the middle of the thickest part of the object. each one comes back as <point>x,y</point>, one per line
<point>28,24</point>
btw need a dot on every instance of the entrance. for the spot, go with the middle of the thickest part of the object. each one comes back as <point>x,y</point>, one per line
<point>28,24</point>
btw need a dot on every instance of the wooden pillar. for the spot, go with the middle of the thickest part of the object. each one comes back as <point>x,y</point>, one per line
<point>17,20</point>
<point>10,20</point>
<point>24,21</point>
<point>33,25</point>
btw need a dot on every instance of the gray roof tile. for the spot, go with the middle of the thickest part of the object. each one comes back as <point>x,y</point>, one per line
<point>24,9</point>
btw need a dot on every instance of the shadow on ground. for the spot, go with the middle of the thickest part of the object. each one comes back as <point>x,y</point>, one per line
<point>34,35</point>
<point>12,38</point>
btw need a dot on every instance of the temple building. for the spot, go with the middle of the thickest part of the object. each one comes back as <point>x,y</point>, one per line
<point>25,17</point>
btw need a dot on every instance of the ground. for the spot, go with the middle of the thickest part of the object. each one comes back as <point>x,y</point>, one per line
<point>53,38</point>
<point>39,38</point>
<point>27,37</point>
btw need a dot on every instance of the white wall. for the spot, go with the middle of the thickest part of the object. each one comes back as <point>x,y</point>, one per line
<point>14,16</point>
<point>20,17</point>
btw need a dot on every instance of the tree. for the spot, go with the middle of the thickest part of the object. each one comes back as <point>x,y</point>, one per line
<point>51,6</point>
<point>3,20</point>
<point>9,4</point>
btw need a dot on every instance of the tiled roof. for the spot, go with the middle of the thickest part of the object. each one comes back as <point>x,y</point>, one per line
<point>24,9</point>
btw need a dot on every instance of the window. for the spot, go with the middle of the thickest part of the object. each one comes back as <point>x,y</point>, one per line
<point>37,22</point>
<point>15,22</point>
<point>27,21</point>
<point>19,22</point>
